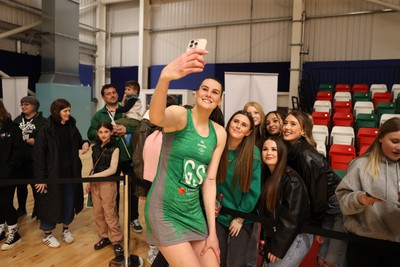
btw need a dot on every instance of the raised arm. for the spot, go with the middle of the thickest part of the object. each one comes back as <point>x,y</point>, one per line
<point>189,62</point>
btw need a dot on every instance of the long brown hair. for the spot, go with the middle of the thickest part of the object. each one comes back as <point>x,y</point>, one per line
<point>4,115</point>
<point>306,125</point>
<point>374,152</point>
<point>244,156</point>
<point>270,194</point>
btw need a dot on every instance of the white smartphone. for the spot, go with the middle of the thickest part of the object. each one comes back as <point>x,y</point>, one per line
<point>197,43</point>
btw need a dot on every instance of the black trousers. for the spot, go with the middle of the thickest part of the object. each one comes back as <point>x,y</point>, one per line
<point>371,256</point>
<point>8,214</point>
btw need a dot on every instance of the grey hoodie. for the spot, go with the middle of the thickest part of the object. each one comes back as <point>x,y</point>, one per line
<point>381,220</point>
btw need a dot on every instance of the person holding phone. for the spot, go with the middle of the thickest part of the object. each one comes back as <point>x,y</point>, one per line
<point>191,150</point>
<point>374,175</point>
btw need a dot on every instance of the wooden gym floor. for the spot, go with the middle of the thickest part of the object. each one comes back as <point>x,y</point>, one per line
<point>33,253</point>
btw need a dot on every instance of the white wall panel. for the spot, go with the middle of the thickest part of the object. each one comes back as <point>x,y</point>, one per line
<point>339,38</point>
<point>130,48</point>
<point>272,8</point>
<point>386,27</point>
<point>233,44</point>
<point>113,55</point>
<point>198,12</point>
<point>123,17</point>
<point>270,42</point>
<point>165,46</point>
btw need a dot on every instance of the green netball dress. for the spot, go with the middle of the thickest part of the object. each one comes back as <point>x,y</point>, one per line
<point>173,213</point>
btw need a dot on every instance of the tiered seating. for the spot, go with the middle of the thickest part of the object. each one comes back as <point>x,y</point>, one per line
<point>365,137</point>
<point>366,121</point>
<point>341,155</point>
<point>386,117</point>
<point>325,88</point>
<point>358,111</point>
<point>343,135</point>
<point>395,91</point>
<point>342,106</point>
<point>342,88</point>
<point>323,106</point>
<point>379,97</point>
<point>321,118</point>
<point>360,96</point>
<point>343,119</point>
<point>385,108</point>
<point>327,96</point>
<point>342,96</point>
<point>366,107</point>
<point>360,88</point>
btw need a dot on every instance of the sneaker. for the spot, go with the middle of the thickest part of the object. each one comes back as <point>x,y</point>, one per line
<point>13,239</point>
<point>67,236</point>
<point>136,226</point>
<point>102,243</point>
<point>136,261</point>
<point>51,241</point>
<point>118,250</point>
<point>2,233</point>
<point>152,254</point>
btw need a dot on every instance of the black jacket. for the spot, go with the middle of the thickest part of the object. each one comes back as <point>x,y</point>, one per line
<point>320,180</point>
<point>11,149</point>
<point>30,130</point>
<point>291,212</point>
<point>46,161</point>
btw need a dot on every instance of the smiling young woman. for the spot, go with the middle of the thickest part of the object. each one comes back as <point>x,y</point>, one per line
<point>191,150</point>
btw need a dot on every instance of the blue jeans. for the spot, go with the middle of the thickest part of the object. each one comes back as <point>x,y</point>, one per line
<point>68,209</point>
<point>333,250</point>
<point>296,253</point>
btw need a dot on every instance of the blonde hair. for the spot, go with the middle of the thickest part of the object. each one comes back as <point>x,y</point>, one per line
<point>260,128</point>
<point>374,152</point>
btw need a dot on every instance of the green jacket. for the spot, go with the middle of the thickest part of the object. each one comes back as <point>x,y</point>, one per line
<point>234,198</point>
<point>125,152</point>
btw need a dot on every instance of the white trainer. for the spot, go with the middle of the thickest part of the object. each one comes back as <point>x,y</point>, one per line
<point>51,241</point>
<point>67,236</point>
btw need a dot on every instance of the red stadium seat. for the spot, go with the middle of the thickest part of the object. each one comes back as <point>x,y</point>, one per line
<point>381,97</point>
<point>366,136</point>
<point>343,119</point>
<point>360,88</point>
<point>321,118</point>
<point>342,88</point>
<point>342,106</point>
<point>341,155</point>
<point>324,96</point>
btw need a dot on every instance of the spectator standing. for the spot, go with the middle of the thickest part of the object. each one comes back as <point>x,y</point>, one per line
<point>370,178</point>
<point>56,156</point>
<point>285,201</point>
<point>239,181</point>
<point>11,147</point>
<point>321,182</point>
<point>107,113</point>
<point>29,122</point>
<point>105,163</point>
<point>274,123</point>
<point>190,154</point>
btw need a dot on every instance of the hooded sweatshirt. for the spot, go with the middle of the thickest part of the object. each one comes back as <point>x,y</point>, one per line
<point>380,221</point>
